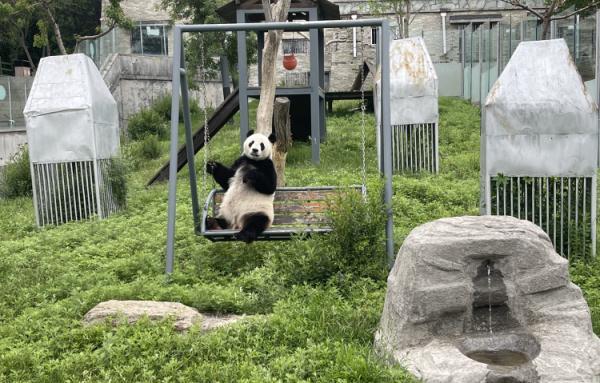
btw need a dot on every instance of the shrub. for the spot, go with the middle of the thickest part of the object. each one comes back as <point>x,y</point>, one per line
<point>163,107</point>
<point>15,178</point>
<point>355,246</point>
<point>149,148</point>
<point>117,180</point>
<point>146,123</point>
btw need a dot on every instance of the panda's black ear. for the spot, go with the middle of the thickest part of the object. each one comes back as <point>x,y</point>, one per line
<point>272,138</point>
<point>250,132</point>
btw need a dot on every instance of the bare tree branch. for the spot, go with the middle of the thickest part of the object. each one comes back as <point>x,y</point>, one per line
<point>577,11</point>
<point>516,3</point>
<point>79,39</point>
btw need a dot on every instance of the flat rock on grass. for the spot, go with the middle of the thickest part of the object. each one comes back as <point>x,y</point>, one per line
<point>184,316</point>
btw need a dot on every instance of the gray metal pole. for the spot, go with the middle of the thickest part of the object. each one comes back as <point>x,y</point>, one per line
<point>189,143</point>
<point>387,139</point>
<point>243,79</point>
<point>173,150</point>
<point>315,129</point>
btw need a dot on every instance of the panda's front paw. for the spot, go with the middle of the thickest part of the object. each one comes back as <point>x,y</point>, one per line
<point>211,166</point>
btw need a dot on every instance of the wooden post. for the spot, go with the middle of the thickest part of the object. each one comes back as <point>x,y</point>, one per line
<point>283,134</point>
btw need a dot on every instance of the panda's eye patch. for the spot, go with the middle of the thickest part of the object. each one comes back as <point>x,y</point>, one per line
<point>262,146</point>
<point>251,143</point>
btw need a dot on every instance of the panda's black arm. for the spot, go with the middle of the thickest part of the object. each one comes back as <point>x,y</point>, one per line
<point>220,173</point>
<point>263,179</point>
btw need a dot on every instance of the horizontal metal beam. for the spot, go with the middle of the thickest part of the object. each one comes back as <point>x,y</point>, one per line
<point>295,26</point>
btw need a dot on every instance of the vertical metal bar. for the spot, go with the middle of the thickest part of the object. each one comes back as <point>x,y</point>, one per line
<point>504,196</point>
<point>526,202</point>
<point>242,72</point>
<point>315,129</point>
<point>44,190</point>
<point>97,188</point>
<point>512,192</point>
<point>554,215</point>
<point>189,144</point>
<point>387,144</point>
<point>547,205</point>
<point>562,216</point>
<point>177,52</point>
<point>593,206</point>
<point>533,199</point>
<point>569,221</point>
<point>64,192</point>
<point>36,191</point>
<point>583,214</point>
<point>80,180</point>
<point>56,193</point>
<point>519,196</point>
<point>576,202</point>
<point>497,196</point>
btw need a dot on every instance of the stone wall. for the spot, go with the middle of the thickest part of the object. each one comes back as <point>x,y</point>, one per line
<point>136,82</point>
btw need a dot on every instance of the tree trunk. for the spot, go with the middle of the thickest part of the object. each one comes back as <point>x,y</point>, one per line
<point>283,133</point>
<point>264,112</point>
<point>26,49</point>
<point>56,28</point>
<point>407,23</point>
<point>546,27</point>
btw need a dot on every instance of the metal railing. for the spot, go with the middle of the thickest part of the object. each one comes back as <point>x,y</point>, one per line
<point>13,97</point>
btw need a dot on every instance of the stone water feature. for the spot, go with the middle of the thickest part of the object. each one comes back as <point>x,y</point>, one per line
<point>486,299</point>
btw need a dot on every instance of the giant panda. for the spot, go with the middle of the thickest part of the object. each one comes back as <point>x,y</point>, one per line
<point>249,186</point>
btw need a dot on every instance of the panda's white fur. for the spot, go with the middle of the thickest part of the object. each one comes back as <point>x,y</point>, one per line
<point>242,199</point>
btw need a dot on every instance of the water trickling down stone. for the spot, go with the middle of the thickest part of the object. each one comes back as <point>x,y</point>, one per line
<point>489,280</point>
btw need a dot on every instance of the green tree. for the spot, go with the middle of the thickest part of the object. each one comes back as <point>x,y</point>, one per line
<point>206,46</point>
<point>555,10</point>
<point>401,9</point>
<point>16,17</point>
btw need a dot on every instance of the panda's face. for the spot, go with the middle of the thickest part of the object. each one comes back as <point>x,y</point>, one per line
<point>258,146</point>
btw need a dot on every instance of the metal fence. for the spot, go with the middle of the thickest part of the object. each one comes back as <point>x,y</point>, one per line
<point>486,47</point>
<point>13,96</point>
<point>72,191</point>
<point>415,148</point>
<point>562,206</point>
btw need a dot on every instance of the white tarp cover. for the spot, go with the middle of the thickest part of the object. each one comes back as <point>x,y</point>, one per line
<point>70,114</point>
<point>413,83</point>
<point>539,119</point>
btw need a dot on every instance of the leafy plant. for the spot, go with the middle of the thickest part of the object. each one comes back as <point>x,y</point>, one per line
<point>163,107</point>
<point>145,123</point>
<point>15,177</point>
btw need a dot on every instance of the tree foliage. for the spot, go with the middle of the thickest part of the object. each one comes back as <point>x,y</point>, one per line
<point>209,46</point>
<point>555,10</point>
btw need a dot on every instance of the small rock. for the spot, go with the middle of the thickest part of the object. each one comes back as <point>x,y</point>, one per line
<point>184,316</point>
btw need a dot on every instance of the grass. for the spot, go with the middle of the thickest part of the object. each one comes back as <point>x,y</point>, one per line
<point>317,302</point>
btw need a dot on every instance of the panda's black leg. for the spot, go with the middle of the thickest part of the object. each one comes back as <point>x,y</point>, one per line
<point>220,173</point>
<point>216,223</point>
<point>254,225</point>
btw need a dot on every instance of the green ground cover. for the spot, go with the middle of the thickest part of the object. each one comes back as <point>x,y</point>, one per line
<point>317,302</point>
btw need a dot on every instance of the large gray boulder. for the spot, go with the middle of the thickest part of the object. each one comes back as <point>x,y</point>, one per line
<point>492,288</point>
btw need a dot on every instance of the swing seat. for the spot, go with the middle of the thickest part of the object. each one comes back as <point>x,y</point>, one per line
<point>299,211</point>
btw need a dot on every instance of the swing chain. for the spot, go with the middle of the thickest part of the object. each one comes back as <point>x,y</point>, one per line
<point>363,108</point>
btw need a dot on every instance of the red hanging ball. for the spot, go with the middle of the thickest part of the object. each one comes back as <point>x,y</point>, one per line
<point>289,61</point>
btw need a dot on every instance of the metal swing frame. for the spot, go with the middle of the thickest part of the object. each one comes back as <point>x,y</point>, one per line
<point>179,84</point>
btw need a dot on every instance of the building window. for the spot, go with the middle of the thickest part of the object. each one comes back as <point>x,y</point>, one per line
<point>295,46</point>
<point>373,36</point>
<point>150,39</point>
